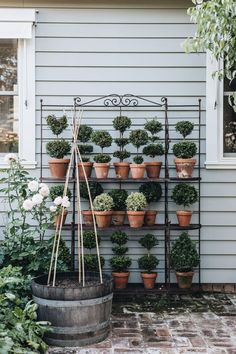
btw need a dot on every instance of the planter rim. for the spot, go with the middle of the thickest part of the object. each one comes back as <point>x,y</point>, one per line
<point>120,274</point>
<point>58,161</point>
<point>149,275</point>
<point>98,164</point>
<point>155,163</point>
<point>97,212</point>
<point>121,164</point>
<point>88,163</point>
<point>136,165</point>
<point>136,212</point>
<point>185,274</point>
<point>184,212</point>
<point>86,212</point>
<point>185,160</point>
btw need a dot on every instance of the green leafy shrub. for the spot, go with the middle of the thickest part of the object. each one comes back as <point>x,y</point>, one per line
<point>138,159</point>
<point>185,149</point>
<point>122,155</point>
<point>184,127</point>
<point>85,132</point>
<point>119,237</point>
<point>184,194</point>
<point>119,197</point>
<point>121,124</point>
<point>120,262</point>
<point>103,202</point>
<point>13,281</point>
<point>148,262</point>
<point>102,158</point>
<point>136,202</point>
<point>57,125</point>
<point>121,142</point>
<point>138,138</point>
<point>91,262</point>
<point>148,241</point>
<point>84,151</point>
<point>103,139</point>
<point>57,191</point>
<point>119,250</point>
<point>153,126</point>
<point>94,187</point>
<point>184,255</point>
<point>90,240</point>
<point>58,148</point>
<point>152,191</point>
<point>153,150</point>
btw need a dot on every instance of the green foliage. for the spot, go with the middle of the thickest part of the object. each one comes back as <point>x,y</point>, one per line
<point>101,138</point>
<point>184,256</point>
<point>103,202</point>
<point>119,197</point>
<point>119,237</point>
<point>121,142</point>
<point>85,132</point>
<point>148,263</point>
<point>152,191</point>
<point>57,125</point>
<point>185,149</point>
<point>122,155</point>
<point>148,241</point>
<point>94,187</point>
<point>136,202</point>
<point>138,138</point>
<point>13,281</point>
<point>102,158</point>
<point>120,263</point>
<point>184,194</point>
<point>119,250</point>
<point>58,148</point>
<point>57,191</point>
<point>153,150</point>
<point>138,159</point>
<point>90,240</point>
<point>184,127</point>
<point>91,262</point>
<point>153,126</point>
<point>121,123</point>
<point>85,149</point>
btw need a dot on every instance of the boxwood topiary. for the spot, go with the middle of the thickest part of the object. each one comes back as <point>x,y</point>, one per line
<point>57,125</point>
<point>152,191</point>
<point>94,187</point>
<point>91,262</point>
<point>101,138</point>
<point>58,148</point>
<point>120,263</point>
<point>57,191</point>
<point>184,256</point>
<point>184,127</point>
<point>102,158</point>
<point>119,237</point>
<point>85,132</point>
<point>138,138</point>
<point>138,159</point>
<point>136,202</point>
<point>153,150</point>
<point>148,263</point>
<point>184,194</point>
<point>119,197</point>
<point>185,149</point>
<point>153,126</point>
<point>85,150</point>
<point>148,241</point>
<point>103,202</point>
<point>121,123</point>
<point>89,239</point>
<point>121,154</point>
<point>119,250</point>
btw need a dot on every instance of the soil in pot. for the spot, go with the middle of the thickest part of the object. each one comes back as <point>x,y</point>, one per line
<point>57,219</point>
<point>150,217</point>
<point>149,280</point>
<point>103,218</point>
<point>137,170</point>
<point>184,217</point>
<point>87,217</point>
<point>122,169</point>
<point>136,218</point>
<point>120,279</point>
<point>118,218</point>
<point>87,169</point>
<point>58,167</point>
<point>79,315</point>
<point>184,167</point>
<point>153,169</point>
<point>184,279</point>
<point>101,169</point>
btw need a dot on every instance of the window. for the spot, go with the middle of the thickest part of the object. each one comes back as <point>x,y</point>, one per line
<point>17,84</point>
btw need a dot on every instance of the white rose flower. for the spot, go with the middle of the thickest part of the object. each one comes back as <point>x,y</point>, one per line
<point>53,208</point>
<point>37,199</point>
<point>28,205</point>
<point>58,201</point>
<point>9,158</point>
<point>33,186</point>
<point>65,202</point>
<point>44,191</point>
<point>41,185</point>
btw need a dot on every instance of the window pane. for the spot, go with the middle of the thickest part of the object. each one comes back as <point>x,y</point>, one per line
<point>8,124</point>
<point>229,128</point>
<point>8,64</point>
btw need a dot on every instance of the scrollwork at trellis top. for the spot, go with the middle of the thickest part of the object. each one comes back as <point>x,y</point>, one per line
<point>114,100</point>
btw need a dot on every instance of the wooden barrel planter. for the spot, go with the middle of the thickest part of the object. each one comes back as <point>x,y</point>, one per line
<point>79,315</point>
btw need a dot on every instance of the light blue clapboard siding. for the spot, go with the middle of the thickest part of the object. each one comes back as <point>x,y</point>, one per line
<point>98,48</point>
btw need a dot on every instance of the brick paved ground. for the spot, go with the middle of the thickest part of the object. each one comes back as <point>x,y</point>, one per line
<point>169,325</point>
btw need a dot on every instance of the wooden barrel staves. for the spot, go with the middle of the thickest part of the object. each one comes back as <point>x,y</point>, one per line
<point>79,315</point>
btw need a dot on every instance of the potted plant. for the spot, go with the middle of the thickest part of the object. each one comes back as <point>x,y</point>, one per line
<point>58,148</point>
<point>135,204</point>
<point>148,262</point>
<point>56,195</point>
<point>153,149</point>
<point>119,197</point>
<point>121,123</point>
<point>184,151</point>
<point>91,260</point>
<point>153,193</point>
<point>95,190</point>
<point>103,205</point>
<point>103,139</point>
<point>85,150</point>
<point>186,195</point>
<point>184,258</point>
<point>120,262</point>
<point>138,138</point>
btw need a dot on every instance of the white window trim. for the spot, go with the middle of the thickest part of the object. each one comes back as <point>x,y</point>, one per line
<point>215,158</point>
<point>26,79</point>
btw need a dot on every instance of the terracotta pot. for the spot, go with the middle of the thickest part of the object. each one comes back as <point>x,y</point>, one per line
<point>136,218</point>
<point>137,170</point>
<point>122,169</point>
<point>184,279</point>
<point>150,217</point>
<point>120,279</point>
<point>184,167</point>
<point>118,217</point>
<point>153,169</point>
<point>58,167</point>
<point>87,167</point>
<point>87,217</point>
<point>184,217</point>
<point>149,280</point>
<point>103,218</point>
<point>57,219</point>
<point>101,169</point>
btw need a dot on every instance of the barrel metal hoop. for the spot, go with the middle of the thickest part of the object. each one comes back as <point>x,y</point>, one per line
<point>80,330</point>
<point>68,303</point>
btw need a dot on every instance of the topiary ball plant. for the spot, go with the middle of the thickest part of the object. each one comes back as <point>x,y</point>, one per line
<point>136,202</point>
<point>103,202</point>
<point>85,132</point>
<point>138,138</point>
<point>152,191</point>
<point>91,262</point>
<point>84,135</point>
<point>148,263</point>
<point>119,197</point>
<point>184,127</point>
<point>89,240</point>
<point>58,149</point>
<point>57,125</point>
<point>153,150</point>
<point>94,187</point>
<point>154,127</point>
<point>121,123</point>
<point>185,149</point>
<point>103,139</point>
<point>57,191</point>
<point>184,194</point>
